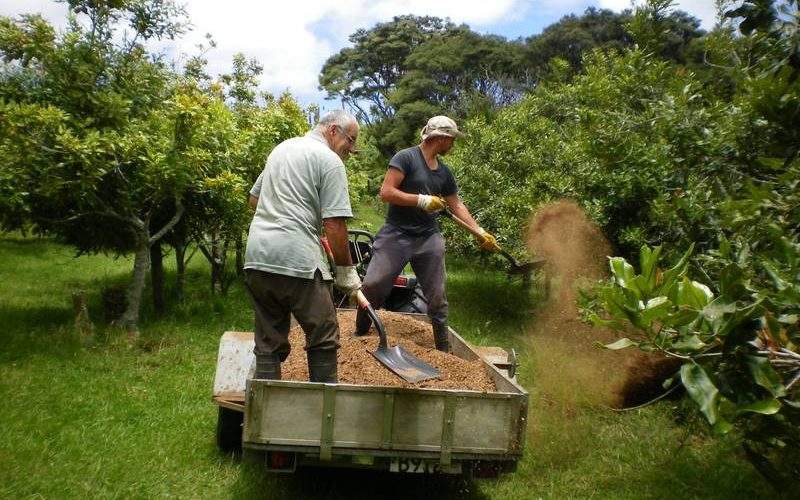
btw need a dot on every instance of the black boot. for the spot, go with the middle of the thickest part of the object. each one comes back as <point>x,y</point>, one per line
<point>363,322</point>
<point>441,337</point>
<point>322,366</point>
<point>268,367</point>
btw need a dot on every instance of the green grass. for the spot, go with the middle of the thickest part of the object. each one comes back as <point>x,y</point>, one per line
<point>98,415</point>
<point>368,216</point>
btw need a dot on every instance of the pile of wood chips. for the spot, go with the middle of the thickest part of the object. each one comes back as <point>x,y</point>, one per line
<point>358,366</point>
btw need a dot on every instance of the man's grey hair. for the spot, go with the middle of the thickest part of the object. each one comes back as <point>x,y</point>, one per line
<point>338,117</point>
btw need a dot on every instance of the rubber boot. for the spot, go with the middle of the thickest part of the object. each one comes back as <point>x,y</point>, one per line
<point>441,337</point>
<point>322,366</point>
<point>268,367</point>
<point>363,322</point>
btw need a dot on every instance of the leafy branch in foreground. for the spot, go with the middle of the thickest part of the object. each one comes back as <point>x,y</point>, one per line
<point>739,345</point>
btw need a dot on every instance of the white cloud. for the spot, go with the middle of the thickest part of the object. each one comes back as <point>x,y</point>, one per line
<point>292,39</point>
<point>704,10</point>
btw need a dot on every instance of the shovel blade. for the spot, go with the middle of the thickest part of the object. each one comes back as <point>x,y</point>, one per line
<point>407,366</point>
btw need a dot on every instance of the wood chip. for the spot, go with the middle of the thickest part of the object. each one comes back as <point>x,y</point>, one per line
<point>357,366</point>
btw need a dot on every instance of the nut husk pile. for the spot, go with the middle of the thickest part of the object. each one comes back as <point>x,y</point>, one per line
<point>357,366</point>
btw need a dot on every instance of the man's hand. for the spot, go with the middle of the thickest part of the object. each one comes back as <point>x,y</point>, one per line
<point>486,241</point>
<point>347,280</point>
<point>430,203</point>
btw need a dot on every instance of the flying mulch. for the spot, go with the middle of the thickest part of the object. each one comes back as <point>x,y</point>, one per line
<point>571,369</point>
<point>357,366</point>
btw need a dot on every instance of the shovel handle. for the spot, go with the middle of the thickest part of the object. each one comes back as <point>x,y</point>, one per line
<point>469,228</point>
<point>461,222</point>
<point>364,304</point>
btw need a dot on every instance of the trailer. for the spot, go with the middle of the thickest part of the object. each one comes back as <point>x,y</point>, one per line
<point>403,430</point>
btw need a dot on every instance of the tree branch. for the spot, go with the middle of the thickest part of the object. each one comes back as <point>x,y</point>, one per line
<point>179,209</point>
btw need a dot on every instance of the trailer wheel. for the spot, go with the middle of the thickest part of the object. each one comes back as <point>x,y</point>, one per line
<point>229,430</point>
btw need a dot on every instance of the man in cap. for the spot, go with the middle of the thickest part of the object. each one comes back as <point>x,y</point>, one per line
<point>417,186</point>
<point>301,191</point>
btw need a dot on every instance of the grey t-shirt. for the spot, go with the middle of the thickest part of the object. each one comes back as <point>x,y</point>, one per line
<point>303,182</point>
<point>419,179</point>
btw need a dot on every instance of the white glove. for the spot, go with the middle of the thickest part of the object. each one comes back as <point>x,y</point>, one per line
<point>347,280</point>
<point>430,203</point>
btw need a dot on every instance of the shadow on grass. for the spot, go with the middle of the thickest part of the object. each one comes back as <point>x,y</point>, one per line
<point>35,330</point>
<point>16,245</point>
<point>319,483</point>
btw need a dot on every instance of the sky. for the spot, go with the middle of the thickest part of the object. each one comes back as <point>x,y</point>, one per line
<point>293,39</point>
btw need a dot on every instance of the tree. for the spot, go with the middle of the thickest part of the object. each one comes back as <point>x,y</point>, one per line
<point>85,145</point>
<point>572,36</point>
<point>365,74</point>
<point>671,34</point>
<point>458,73</point>
<point>415,67</point>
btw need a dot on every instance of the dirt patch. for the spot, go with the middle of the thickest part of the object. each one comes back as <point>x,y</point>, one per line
<point>644,378</point>
<point>570,368</point>
<point>357,366</point>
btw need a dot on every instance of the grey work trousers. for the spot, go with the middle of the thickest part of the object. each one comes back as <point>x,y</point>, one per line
<point>391,252</point>
<point>275,297</point>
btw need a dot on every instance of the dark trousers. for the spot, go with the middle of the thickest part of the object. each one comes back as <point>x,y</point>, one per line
<point>275,297</point>
<point>391,252</point>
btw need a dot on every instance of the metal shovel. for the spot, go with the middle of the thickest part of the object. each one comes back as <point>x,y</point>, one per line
<point>523,270</point>
<point>409,367</point>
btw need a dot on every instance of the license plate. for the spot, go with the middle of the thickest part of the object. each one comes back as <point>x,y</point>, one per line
<point>414,466</point>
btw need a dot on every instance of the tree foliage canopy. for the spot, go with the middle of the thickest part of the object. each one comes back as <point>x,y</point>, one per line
<point>664,162</point>
<point>105,146</point>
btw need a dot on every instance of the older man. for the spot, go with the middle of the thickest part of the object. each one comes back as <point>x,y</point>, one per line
<point>301,191</point>
<point>417,186</point>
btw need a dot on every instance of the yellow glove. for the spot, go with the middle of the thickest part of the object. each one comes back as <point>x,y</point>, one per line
<point>487,242</point>
<point>430,203</point>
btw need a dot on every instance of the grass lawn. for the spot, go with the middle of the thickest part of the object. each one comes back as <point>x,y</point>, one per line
<point>96,414</point>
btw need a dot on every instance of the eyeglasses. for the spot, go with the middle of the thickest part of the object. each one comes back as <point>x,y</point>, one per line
<point>352,140</point>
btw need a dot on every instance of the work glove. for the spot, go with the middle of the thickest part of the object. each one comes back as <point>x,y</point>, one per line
<point>430,203</point>
<point>486,241</point>
<point>347,280</point>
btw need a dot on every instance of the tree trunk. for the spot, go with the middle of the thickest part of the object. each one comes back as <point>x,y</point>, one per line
<point>239,256</point>
<point>130,318</point>
<point>225,281</point>
<point>157,277</point>
<point>141,264</point>
<point>218,254</point>
<point>180,269</point>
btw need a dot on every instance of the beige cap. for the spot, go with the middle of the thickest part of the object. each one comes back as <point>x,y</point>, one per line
<point>440,126</point>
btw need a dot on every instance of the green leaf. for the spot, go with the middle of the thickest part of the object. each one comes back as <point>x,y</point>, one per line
<point>693,294</point>
<point>732,282</point>
<point>624,275</point>
<point>788,319</point>
<point>648,263</point>
<point>689,344</point>
<point>717,308</point>
<point>766,407</point>
<point>675,273</point>
<point>655,309</point>
<point>618,345</point>
<point>702,391</point>
<point>764,375</point>
<point>722,427</point>
<point>682,317</point>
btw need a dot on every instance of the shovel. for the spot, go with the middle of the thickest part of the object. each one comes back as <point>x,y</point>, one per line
<point>523,270</point>
<point>409,367</point>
